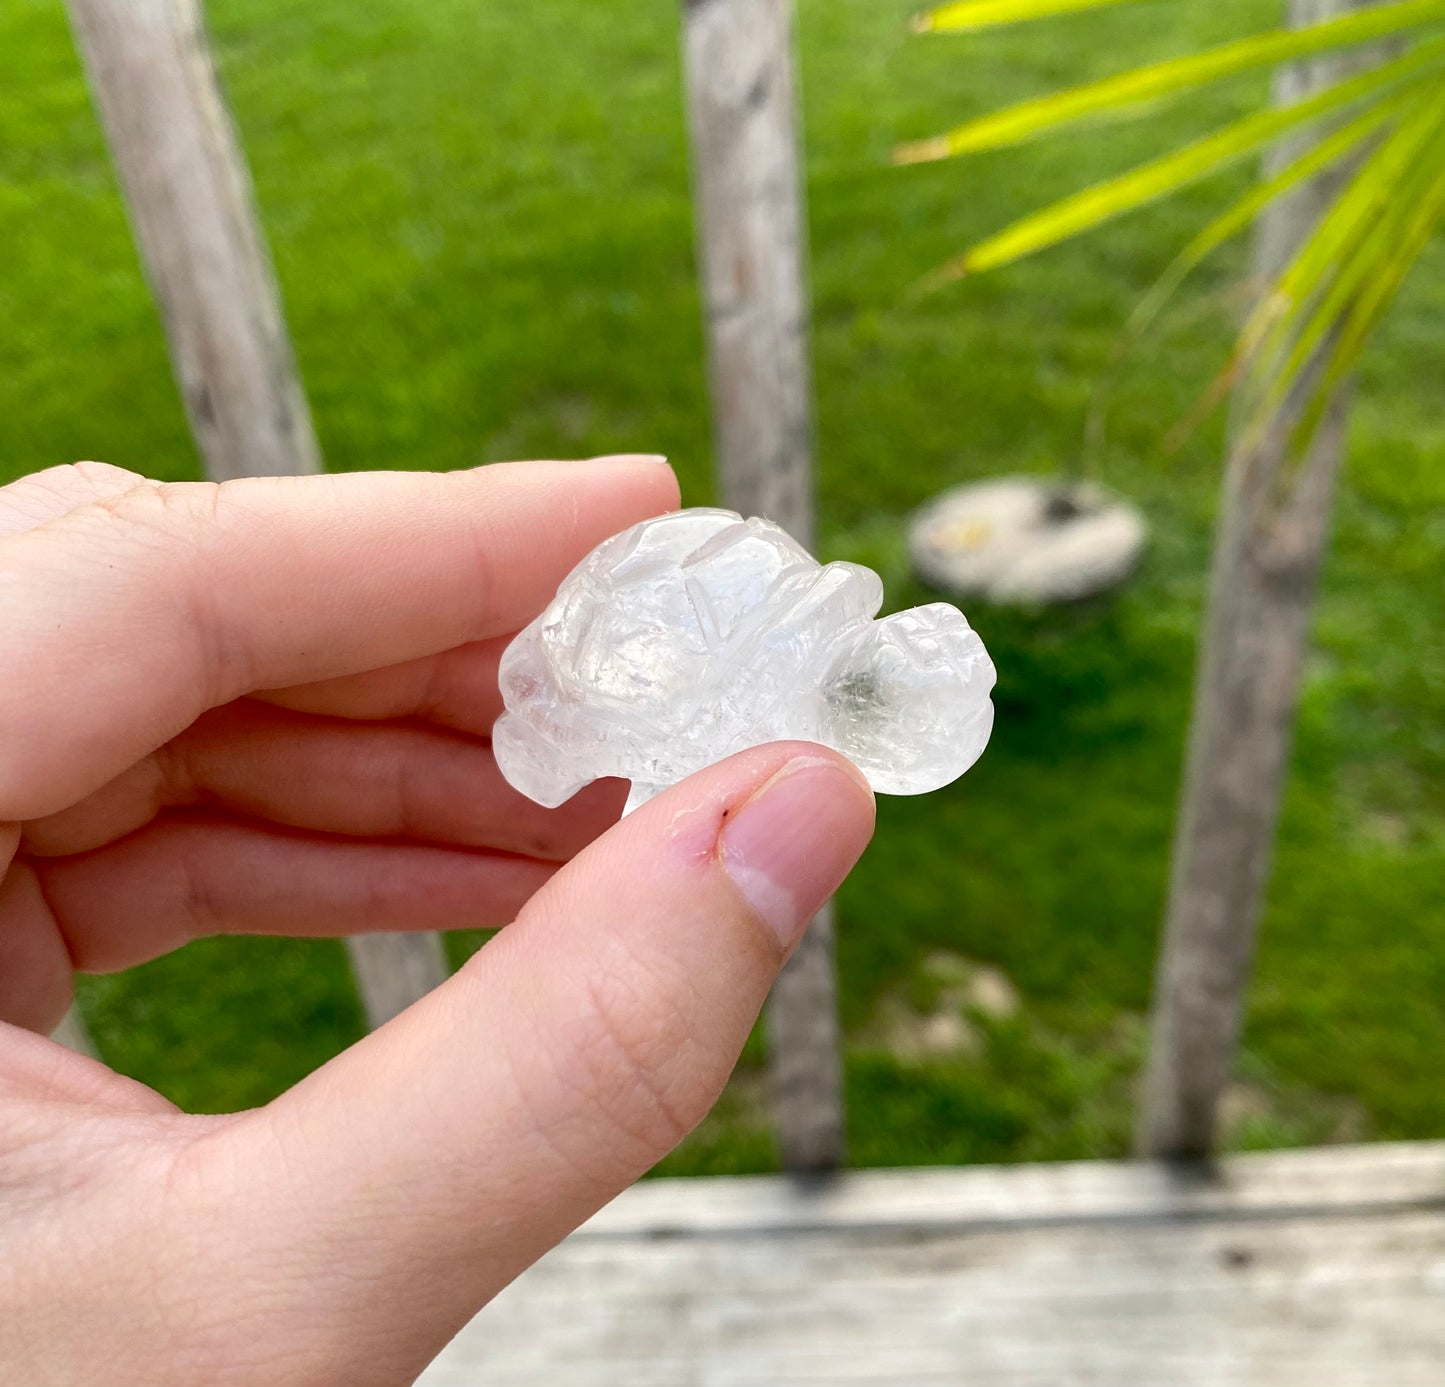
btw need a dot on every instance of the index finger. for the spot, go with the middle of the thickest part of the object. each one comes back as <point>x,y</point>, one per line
<point>124,620</point>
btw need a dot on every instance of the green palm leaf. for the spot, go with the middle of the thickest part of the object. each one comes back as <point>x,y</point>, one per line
<point>1363,209</point>
<point>1242,212</point>
<point>1331,325</point>
<point>970,16</point>
<point>1340,143</point>
<point>1029,119</point>
<point>1310,327</point>
<point>1390,188</point>
<point>1370,307</point>
<point>1160,177</point>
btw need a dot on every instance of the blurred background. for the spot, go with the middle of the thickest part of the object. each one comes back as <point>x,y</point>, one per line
<point>482,224</point>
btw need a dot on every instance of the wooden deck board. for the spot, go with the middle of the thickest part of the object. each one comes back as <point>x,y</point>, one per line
<point>1321,1268</point>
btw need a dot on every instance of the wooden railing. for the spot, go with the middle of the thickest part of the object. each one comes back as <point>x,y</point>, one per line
<point>189,196</point>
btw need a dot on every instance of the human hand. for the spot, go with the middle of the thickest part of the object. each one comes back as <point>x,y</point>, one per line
<point>263,707</point>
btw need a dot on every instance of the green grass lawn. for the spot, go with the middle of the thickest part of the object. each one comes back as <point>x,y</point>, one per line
<point>481,221</point>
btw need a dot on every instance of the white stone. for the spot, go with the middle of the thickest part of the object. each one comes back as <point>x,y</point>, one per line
<point>1026,540</point>
<point>698,634</point>
<point>991,992</point>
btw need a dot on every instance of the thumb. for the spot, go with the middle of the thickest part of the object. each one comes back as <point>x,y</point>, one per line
<point>431,1163</point>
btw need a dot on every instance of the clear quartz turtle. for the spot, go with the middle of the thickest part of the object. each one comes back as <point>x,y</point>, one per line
<point>698,634</point>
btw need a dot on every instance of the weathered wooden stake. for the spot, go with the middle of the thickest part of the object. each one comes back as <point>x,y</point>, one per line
<point>752,243</point>
<point>1271,537</point>
<point>191,205</point>
<point>71,1032</point>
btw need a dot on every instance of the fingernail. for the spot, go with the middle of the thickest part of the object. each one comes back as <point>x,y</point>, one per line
<point>789,846</point>
<point>630,457</point>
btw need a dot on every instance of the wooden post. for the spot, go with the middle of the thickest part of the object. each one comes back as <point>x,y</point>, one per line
<point>752,245</point>
<point>1271,537</point>
<point>189,197</point>
<point>393,970</point>
<point>71,1033</point>
<point>190,202</point>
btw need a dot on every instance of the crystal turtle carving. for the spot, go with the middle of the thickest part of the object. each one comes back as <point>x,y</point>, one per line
<point>697,634</point>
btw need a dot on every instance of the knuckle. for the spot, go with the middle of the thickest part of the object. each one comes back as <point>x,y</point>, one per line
<point>638,1052</point>
<point>613,1074</point>
<point>196,530</point>
<point>151,512</point>
<point>104,474</point>
<point>56,492</point>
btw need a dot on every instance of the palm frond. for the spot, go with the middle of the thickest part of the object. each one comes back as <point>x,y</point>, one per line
<point>1371,305</point>
<point>1337,246</point>
<point>971,16</point>
<point>1046,114</point>
<point>1330,325</point>
<point>1240,214</point>
<point>1238,217</point>
<point>1386,125</point>
<point>1160,177</point>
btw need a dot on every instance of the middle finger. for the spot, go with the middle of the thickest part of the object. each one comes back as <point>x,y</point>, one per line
<point>360,779</point>
<point>456,688</point>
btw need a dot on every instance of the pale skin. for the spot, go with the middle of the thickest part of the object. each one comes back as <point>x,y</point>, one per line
<point>264,707</point>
